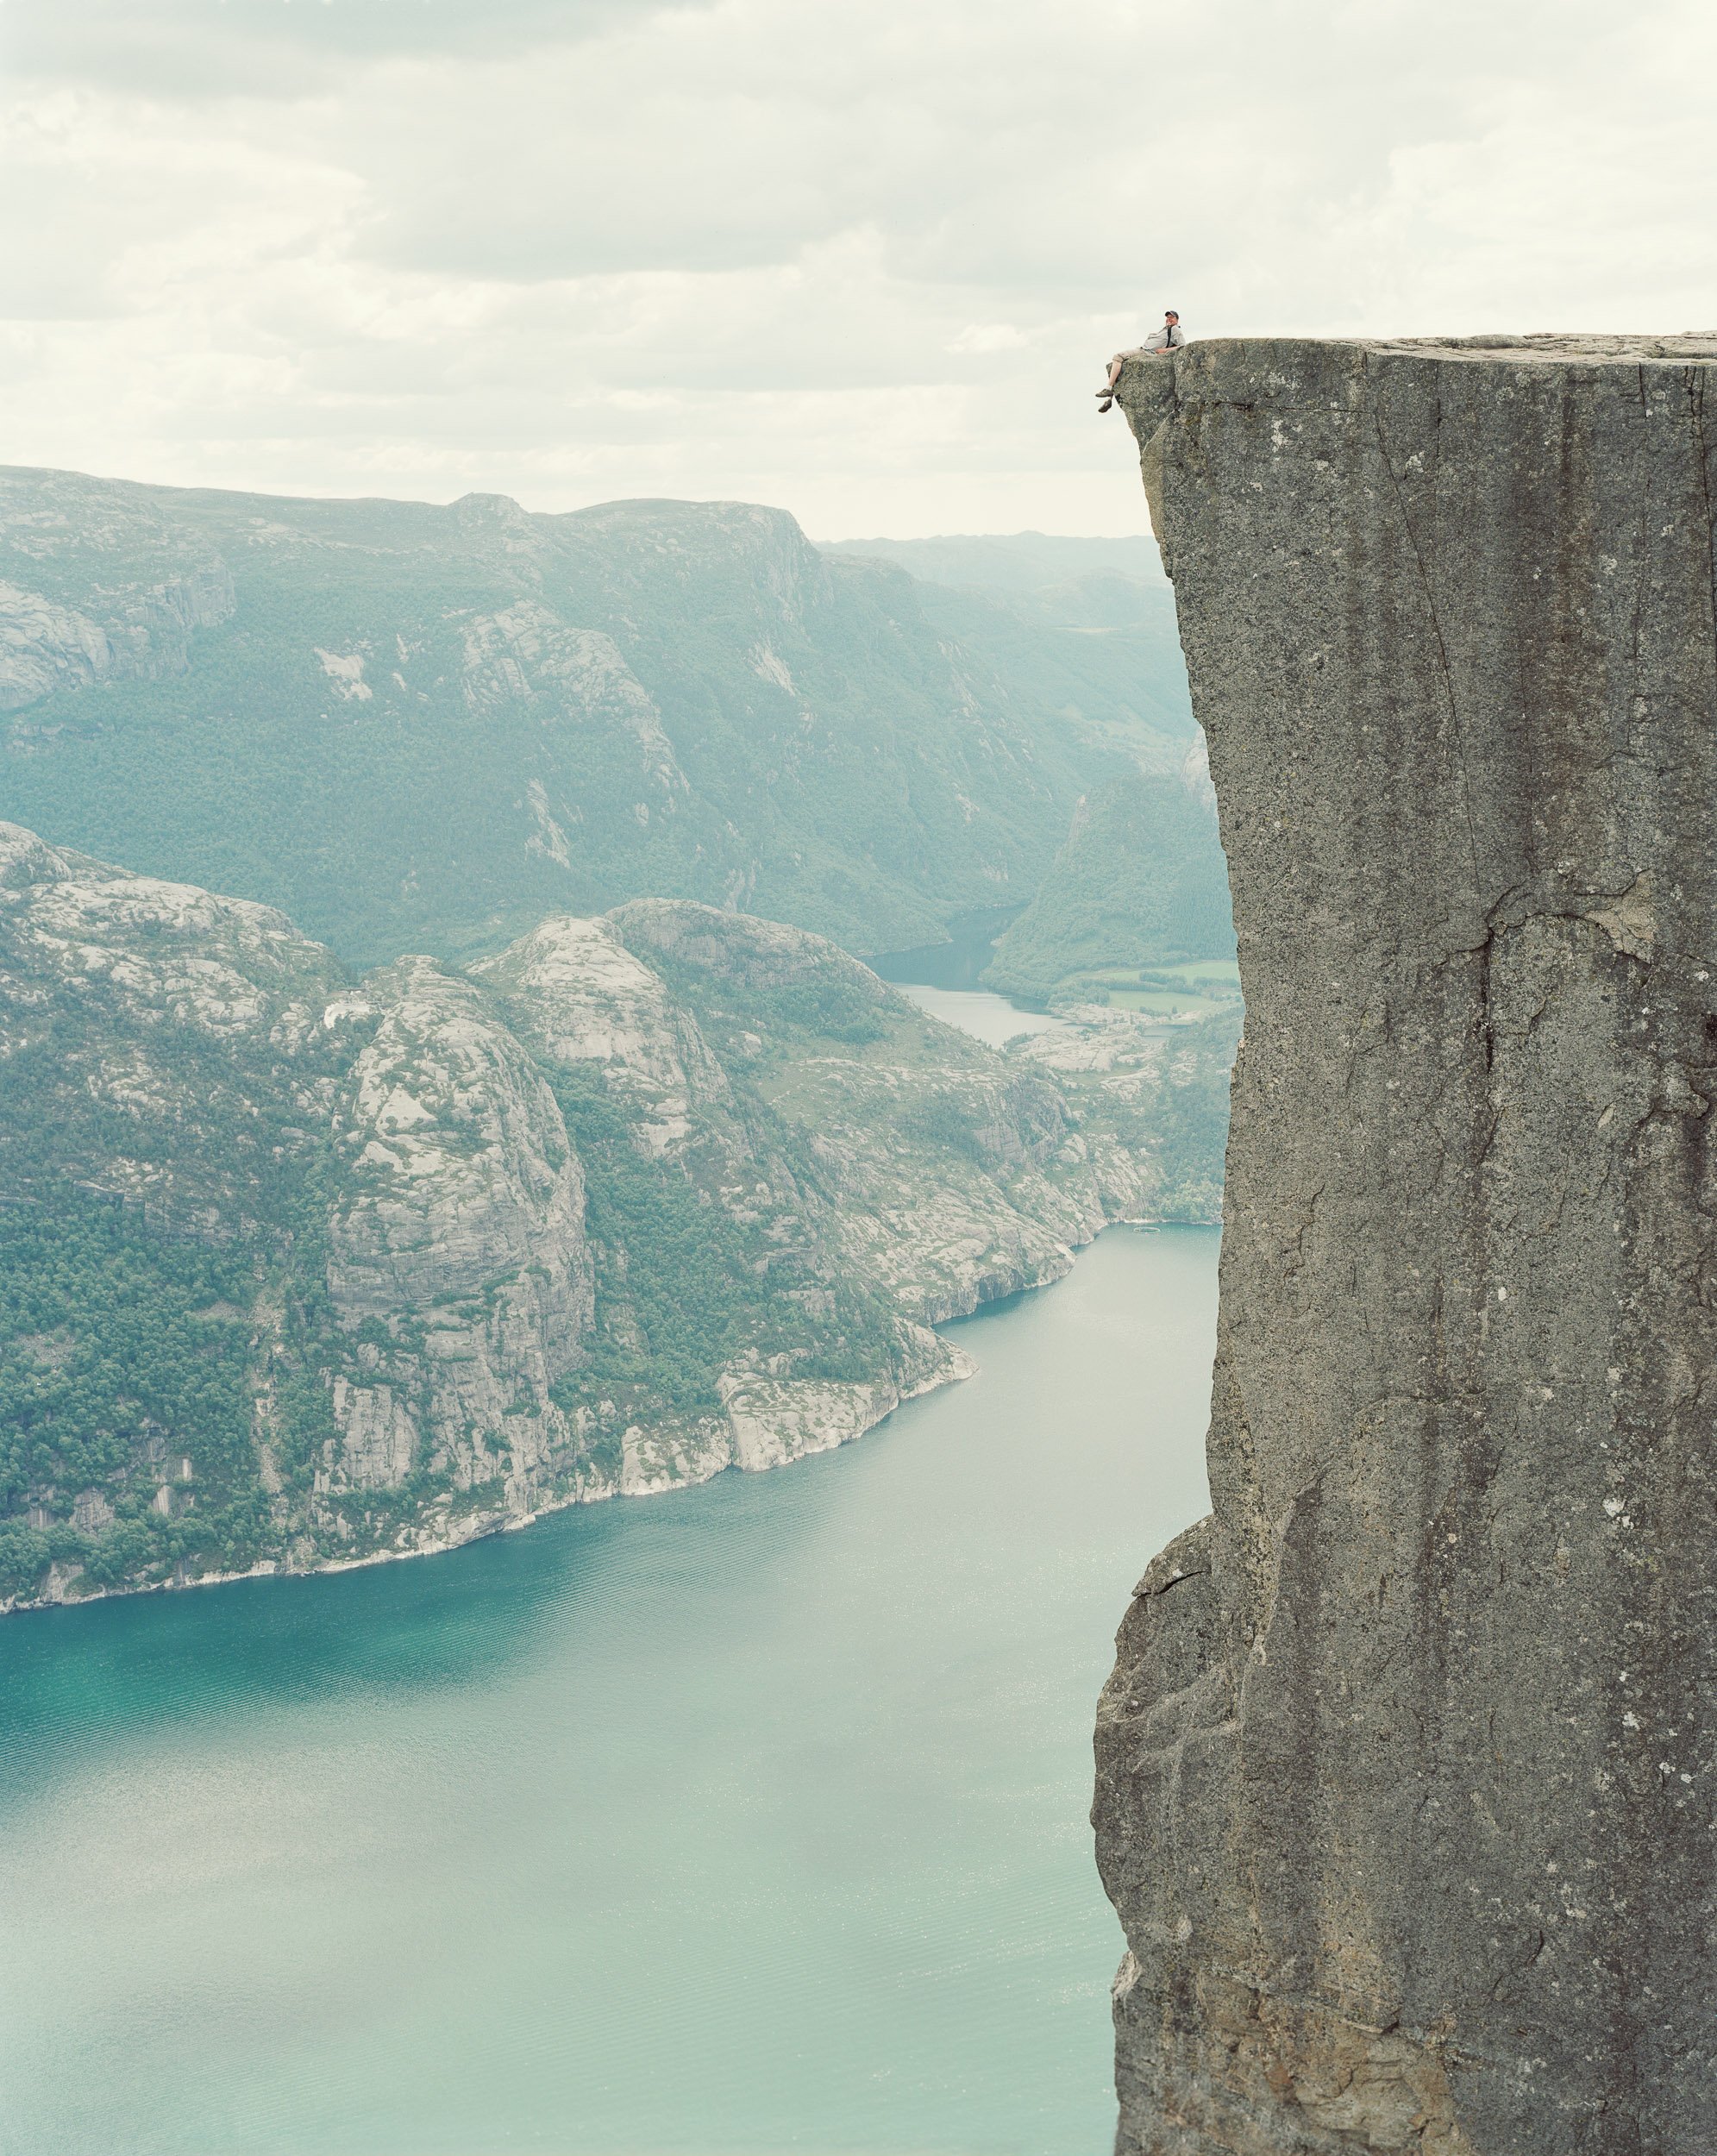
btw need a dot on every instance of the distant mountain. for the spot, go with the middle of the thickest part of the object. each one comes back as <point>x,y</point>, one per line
<point>1084,627</point>
<point>423,729</point>
<point>295,1268</point>
<point>1019,561</point>
<point>1141,884</point>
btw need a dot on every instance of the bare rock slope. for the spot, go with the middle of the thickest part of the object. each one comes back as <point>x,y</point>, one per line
<point>1408,1783</point>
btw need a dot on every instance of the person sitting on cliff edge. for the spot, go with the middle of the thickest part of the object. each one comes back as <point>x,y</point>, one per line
<point>1166,340</point>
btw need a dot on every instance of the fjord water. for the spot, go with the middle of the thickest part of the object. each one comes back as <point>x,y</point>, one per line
<point>747,1818</point>
<point>993,1019</point>
<point>947,980</point>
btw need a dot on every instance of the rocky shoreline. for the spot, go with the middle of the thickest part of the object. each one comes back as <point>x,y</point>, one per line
<point>299,1270</point>
<point>722,1456</point>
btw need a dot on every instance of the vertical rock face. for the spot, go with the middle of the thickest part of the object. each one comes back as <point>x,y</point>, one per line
<point>1405,1770</point>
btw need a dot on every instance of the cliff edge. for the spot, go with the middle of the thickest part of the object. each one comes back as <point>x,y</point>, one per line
<point>1405,1769</point>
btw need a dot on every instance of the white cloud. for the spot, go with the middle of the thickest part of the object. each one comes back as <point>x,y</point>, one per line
<point>987,336</point>
<point>865,262</point>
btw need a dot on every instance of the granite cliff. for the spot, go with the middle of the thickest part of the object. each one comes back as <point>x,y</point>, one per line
<point>298,1269</point>
<point>1407,1770</point>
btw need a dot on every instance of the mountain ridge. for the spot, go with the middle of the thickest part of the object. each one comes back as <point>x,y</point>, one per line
<point>423,727</point>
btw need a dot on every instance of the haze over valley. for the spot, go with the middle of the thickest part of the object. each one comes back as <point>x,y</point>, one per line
<point>423,729</point>
<point>572,1158</point>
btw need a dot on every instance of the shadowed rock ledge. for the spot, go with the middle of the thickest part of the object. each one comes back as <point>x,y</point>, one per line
<point>1405,1772</point>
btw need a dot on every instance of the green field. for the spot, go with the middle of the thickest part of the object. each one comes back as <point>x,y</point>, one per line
<point>1221,974</point>
<point>1196,990</point>
<point>1164,1003</point>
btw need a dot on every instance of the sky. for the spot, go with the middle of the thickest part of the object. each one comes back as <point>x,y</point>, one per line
<point>863,260</point>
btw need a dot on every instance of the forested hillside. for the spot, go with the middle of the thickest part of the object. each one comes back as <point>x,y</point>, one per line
<point>424,729</point>
<point>296,1268</point>
<point>1140,886</point>
<point>1084,627</point>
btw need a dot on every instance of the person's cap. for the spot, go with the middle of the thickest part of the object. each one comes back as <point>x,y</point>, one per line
<point>1167,311</point>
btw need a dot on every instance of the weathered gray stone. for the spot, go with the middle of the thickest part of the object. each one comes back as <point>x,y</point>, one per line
<point>1405,1770</point>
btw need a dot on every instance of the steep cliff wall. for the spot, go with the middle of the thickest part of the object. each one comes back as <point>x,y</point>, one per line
<point>1405,1786</point>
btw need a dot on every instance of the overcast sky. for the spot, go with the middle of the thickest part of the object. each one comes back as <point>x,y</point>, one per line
<point>862,259</point>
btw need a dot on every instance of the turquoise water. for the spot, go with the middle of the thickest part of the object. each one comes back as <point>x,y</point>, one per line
<point>947,981</point>
<point>991,1019</point>
<point>749,1818</point>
